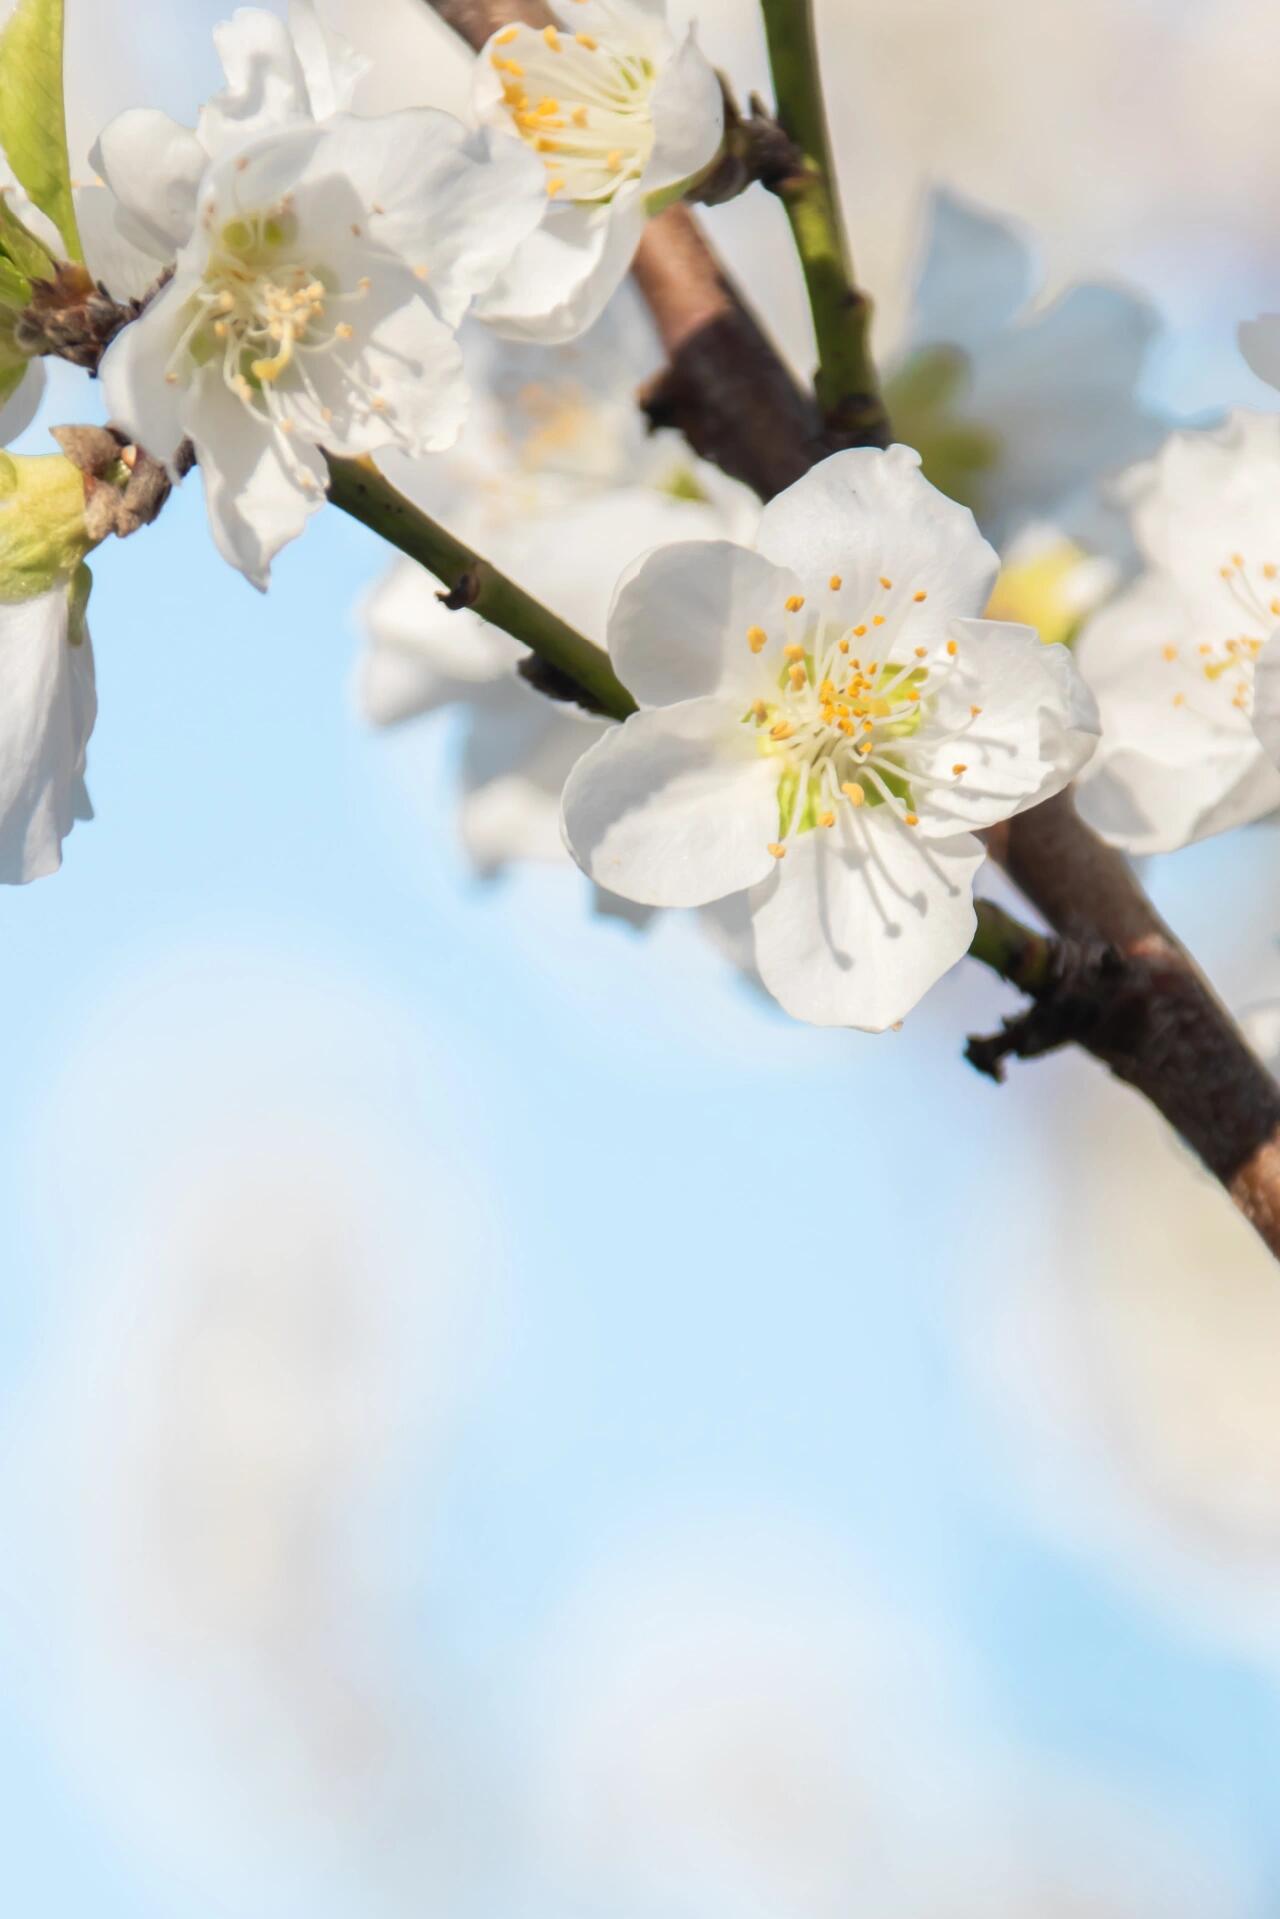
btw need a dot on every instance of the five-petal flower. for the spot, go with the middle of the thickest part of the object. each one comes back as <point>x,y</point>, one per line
<point>824,725</point>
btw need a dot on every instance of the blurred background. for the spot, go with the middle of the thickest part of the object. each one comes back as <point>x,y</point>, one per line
<point>450,1464</point>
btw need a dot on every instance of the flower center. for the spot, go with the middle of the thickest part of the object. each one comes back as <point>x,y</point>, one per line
<point>1227,664</point>
<point>583,106</point>
<point>845,722</point>
<point>263,315</point>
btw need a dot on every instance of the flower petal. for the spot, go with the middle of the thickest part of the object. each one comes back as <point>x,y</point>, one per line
<point>453,205</point>
<point>331,66</point>
<point>865,516</point>
<point>688,119</point>
<point>518,755</point>
<point>860,921</point>
<point>673,808</point>
<point>1266,698</point>
<point>266,86</point>
<point>421,655</point>
<point>1036,726</point>
<point>22,405</point>
<point>153,167</point>
<point>1260,345</point>
<point>47,709</point>
<point>562,277</point>
<point>260,488</point>
<point>138,396</point>
<point>680,618</point>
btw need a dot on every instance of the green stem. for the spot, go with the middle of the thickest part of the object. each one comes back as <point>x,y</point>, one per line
<point>847,387</point>
<point>360,490</point>
<point>1018,954</point>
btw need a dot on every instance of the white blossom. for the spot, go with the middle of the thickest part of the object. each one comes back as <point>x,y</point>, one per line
<point>1017,409</point>
<point>1172,660</point>
<point>47,708</point>
<point>624,118</point>
<point>824,724</point>
<point>313,306</point>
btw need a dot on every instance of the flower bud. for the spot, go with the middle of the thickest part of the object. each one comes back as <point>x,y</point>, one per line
<point>43,534</point>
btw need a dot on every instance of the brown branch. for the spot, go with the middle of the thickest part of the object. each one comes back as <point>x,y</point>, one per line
<point>1164,1032</point>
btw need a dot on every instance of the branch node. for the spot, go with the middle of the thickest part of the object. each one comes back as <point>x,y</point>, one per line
<point>464,592</point>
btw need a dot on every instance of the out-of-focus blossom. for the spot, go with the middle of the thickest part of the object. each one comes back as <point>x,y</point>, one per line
<point>1172,659</point>
<point>1049,582</point>
<point>556,481</point>
<point>824,722</point>
<point>624,118</point>
<point>1018,411</point>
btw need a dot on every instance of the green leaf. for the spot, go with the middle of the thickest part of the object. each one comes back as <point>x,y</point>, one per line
<point>22,248</point>
<point>11,373</point>
<point>33,126</point>
<point>15,291</point>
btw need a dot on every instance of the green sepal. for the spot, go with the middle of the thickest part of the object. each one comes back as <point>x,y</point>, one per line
<point>33,125</point>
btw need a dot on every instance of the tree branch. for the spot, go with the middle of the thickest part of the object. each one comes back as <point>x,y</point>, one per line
<point>579,669</point>
<point>848,390</point>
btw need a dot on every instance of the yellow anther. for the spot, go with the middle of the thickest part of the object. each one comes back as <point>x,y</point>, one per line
<point>579,116</point>
<point>795,602</point>
<point>220,329</point>
<point>543,145</point>
<point>1179,699</point>
<point>886,584</point>
<point>974,712</point>
<point>1169,652</point>
<point>759,712</point>
<point>553,187</point>
<point>585,40</point>
<point>961,766</point>
<point>859,632</point>
<point>779,852</point>
<point>853,792</point>
<point>921,595</point>
<point>913,692</point>
<point>782,731</point>
<point>1224,572</point>
<point>757,638</point>
<point>1237,559</point>
<point>552,38</point>
<point>844,646</point>
<point>344,331</point>
<point>613,160</point>
<point>877,619</point>
<point>799,677</point>
<point>546,107</point>
<point>922,652</point>
<point>952,648</point>
<point>793,652</point>
<point>835,582</point>
<point>507,35</point>
<point>827,819</point>
<point>911,819</point>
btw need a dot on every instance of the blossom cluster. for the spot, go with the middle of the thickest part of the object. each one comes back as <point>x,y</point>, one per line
<point>837,694</point>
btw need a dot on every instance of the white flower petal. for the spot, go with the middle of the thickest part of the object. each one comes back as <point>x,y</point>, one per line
<point>421,655</point>
<point>138,396</point>
<point>1037,727</point>
<point>674,808</point>
<point>864,516</point>
<point>22,405</point>
<point>976,275</point>
<point>1260,345</point>
<point>153,167</point>
<point>255,479</point>
<point>331,66</point>
<point>1266,698</point>
<point>680,618</point>
<point>47,709</point>
<point>128,271</point>
<point>453,205</point>
<point>860,921</point>
<point>266,87</point>
<point>688,119</point>
<point>562,277</point>
<point>518,755</point>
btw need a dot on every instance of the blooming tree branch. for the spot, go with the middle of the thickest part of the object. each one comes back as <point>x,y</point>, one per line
<point>728,390</point>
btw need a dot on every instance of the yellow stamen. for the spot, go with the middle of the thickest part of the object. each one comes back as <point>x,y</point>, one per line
<point>835,582</point>
<point>552,38</point>
<point>757,638</point>
<point>853,793</point>
<point>585,40</point>
<point>795,602</point>
<point>827,819</point>
<point>793,652</point>
<point>779,852</point>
